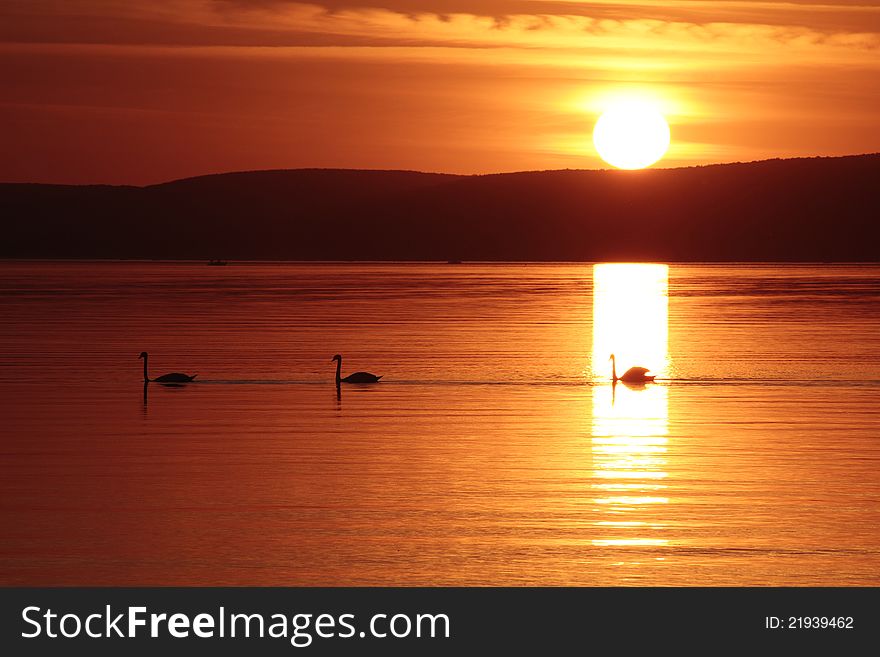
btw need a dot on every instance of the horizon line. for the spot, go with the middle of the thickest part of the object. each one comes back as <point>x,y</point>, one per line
<point>451,175</point>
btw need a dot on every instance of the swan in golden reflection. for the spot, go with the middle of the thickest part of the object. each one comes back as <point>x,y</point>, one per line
<point>632,375</point>
<point>357,377</point>
<point>173,377</point>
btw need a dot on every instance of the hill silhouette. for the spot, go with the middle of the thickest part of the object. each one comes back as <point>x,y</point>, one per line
<point>808,209</point>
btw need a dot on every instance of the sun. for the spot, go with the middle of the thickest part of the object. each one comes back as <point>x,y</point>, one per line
<point>631,134</point>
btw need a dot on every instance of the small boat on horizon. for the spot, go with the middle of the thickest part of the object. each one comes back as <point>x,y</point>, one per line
<point>217,263</point>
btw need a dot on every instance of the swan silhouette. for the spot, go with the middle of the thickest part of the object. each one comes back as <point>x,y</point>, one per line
<point>357,377</point>
<point>173,377</point>
<point>632,375</point>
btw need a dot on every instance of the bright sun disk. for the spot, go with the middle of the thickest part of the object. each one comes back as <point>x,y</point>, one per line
<point>631,135</point>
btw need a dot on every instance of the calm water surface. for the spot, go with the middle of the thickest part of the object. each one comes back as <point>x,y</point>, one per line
<point>494,451</point>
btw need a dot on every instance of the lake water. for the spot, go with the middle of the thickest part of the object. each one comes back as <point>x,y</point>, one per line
<point>495,450</point>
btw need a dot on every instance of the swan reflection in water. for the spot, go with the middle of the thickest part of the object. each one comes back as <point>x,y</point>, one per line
<point>146,394</point>
<point>635,387</point>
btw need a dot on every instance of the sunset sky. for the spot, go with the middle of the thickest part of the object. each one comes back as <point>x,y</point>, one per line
<point>118,91</point>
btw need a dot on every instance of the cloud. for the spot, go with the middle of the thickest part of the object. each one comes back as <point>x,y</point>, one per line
<point>278,23</point>
<point>819,14</point>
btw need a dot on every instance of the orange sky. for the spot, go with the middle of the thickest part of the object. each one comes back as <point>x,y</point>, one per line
<point>126,91</point>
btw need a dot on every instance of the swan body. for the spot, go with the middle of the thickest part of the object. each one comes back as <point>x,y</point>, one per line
<point>632,375</point>
<point>357,377</point>
<point>173,377</point>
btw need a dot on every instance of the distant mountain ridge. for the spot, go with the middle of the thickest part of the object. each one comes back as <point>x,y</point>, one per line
<point>807,209</point>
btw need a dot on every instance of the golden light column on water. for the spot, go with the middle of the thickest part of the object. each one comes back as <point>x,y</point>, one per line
<point>630,424</point>
<point>630,318</point>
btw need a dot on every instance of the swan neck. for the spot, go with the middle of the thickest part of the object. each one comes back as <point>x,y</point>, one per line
<point>613,369</point>
<point>146,379</point>
<point>338,370</point>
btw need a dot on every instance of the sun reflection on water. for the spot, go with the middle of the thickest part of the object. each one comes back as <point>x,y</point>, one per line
<point>630,317</point>
<point>630,424</point>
